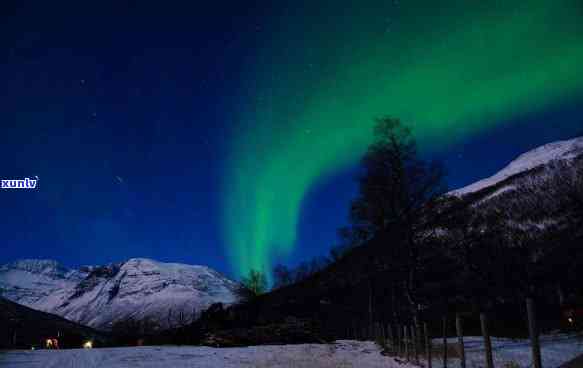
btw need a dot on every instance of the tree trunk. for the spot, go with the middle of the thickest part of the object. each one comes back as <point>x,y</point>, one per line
<point>444,327</point>
<point>370,303</point>
<point>418,338</point>
<point>414,338</point>
<point>460,338</point>
<point>406,340</point>
<point>532,329</point>
<point>487,341</point>
<point>560,295</point>
<point>391,338</point>
<point>427,345</point>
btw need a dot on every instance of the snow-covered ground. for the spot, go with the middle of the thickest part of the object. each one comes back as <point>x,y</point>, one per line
<point>555,350</point>
<point>342,354</point>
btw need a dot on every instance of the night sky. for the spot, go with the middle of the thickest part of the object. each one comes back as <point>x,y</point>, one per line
<point>228,134</point>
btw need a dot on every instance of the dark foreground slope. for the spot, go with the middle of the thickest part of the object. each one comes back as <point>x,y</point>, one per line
<point>23,327</point>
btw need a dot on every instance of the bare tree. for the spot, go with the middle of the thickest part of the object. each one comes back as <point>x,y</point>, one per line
<point>394,190</point>
<point>255,282</point>
<point>282,276</point>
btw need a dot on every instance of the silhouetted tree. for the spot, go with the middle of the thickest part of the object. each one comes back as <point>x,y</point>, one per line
<point>128,331</point>
<point>301,272</point>
<point>282,276</point>
<point>255,282</point>
<point>338,251</point>
<point>394,190</point>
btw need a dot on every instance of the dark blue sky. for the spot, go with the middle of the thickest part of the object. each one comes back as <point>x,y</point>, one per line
<point>123,111</point>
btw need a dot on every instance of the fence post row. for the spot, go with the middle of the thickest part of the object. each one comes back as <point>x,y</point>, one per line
<point>398,340</point>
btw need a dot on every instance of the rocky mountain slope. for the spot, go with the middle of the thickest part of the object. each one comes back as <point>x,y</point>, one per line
<point>167,293</point>
<point>540,190</point>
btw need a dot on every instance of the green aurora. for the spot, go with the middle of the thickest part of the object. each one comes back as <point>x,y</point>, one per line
<point>325,72</point>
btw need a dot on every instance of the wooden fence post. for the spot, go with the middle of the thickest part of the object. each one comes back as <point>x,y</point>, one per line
<point>414,338</point>
<point>487,341</point>
<point>460,338</point>
<point>391,338</point>
<point>444,327</point>
<point>419,337</point>
<point>399,341</point>
<point>383,334</point>
<point>403,344</point>
<point>532,329</point>
<point>406,340</point>
<point>427,345</point>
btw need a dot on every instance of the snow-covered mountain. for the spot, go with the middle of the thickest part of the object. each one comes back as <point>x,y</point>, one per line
<point>543,156</point>
<point>539,192</point>
<point>29,281</point>
<point>169,293</point>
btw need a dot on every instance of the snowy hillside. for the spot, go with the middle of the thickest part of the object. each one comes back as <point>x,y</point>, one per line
<point>169,293</point>
<point>556,151</point>
<point>31,280</point>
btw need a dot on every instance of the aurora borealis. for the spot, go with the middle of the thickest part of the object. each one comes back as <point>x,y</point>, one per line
<point>309,96</point>
<point>228,134</point>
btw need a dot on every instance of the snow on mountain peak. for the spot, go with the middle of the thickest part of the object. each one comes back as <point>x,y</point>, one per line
<point>561,150</point>
<point>36,266</point>
<point>137,288</point>
<point>29,281</point>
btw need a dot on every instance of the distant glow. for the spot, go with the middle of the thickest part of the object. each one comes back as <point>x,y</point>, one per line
<point>88,345</point>
<point>449,69</point>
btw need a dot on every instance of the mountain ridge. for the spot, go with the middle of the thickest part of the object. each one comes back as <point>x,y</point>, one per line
<point>563,150</point>
<point>99,296</point>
